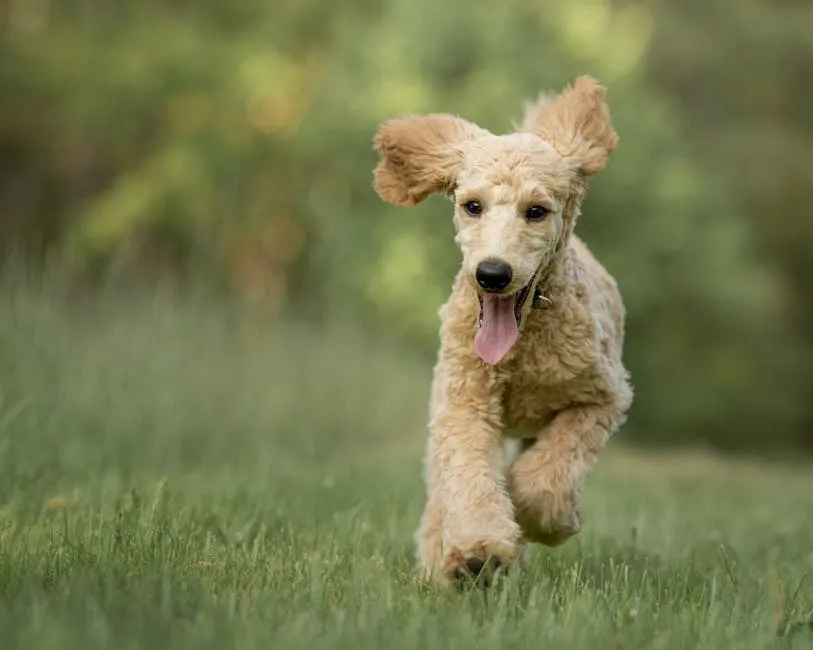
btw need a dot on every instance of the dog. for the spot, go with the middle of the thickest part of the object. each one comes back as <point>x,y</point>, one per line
<point>531,337</point>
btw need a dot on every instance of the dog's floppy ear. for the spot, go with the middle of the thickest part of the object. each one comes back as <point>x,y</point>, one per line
<point>577,123</point>
<point>420,155</point>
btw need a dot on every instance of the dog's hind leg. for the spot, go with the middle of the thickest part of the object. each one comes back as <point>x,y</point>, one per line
<point>429,536</point>
<point>513,448</point>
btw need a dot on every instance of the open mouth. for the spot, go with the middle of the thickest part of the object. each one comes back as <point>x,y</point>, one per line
<point>520,297</point>
<point>500,317</point>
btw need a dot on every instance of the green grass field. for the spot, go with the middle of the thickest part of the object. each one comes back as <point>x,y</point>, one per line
<point>170,480</point>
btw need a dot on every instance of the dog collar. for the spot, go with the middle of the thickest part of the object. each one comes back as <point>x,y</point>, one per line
<point>540,300</point>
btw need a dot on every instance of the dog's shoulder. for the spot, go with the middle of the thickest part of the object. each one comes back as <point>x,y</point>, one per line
<point>573,349</point>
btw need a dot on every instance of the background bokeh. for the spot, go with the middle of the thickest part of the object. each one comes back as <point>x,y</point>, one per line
<point>223,149</point>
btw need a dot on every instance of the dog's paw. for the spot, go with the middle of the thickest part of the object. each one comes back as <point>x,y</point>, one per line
<point>478,563</point>
<point>547,504</point>
<point>551,520</point>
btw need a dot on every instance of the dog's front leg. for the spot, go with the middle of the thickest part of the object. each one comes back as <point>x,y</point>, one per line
<point>546,480</point>
<point>479,530</point>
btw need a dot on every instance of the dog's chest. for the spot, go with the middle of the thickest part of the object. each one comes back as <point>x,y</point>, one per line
<point>551,369</point>
<point>527,408</point>
<point>531,400</point>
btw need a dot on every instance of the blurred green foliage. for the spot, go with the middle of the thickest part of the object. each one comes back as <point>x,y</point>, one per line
<point>228,145</point>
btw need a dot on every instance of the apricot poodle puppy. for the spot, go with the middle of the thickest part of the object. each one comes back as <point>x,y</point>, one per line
<point>531,337</point>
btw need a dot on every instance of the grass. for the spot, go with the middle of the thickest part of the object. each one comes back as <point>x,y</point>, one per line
<point>171,480</point>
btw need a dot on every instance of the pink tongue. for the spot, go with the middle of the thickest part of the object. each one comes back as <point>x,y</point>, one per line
<point>499,329</point>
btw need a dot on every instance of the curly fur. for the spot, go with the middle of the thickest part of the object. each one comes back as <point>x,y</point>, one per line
<point>562,386</point>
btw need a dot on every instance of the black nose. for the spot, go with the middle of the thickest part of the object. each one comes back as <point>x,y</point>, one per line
<point>493,275</point>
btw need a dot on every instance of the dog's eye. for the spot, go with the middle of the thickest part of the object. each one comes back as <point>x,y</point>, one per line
<point>536,213</point>
<point>473,208</point>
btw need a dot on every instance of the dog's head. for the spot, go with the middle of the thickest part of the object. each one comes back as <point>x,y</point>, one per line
<point>516,196</point>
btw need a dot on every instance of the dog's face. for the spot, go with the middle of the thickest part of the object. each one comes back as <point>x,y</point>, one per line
<point>509,201</point>
<point>512,193</point>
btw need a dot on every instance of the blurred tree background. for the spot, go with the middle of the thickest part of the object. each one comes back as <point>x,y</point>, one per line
<point>226,145</point>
